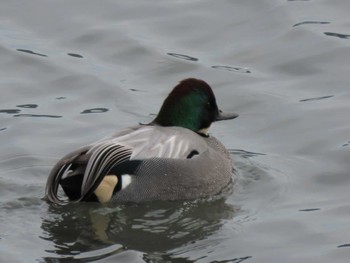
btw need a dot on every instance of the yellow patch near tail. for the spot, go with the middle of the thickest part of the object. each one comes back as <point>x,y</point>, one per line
<point>104,191</point>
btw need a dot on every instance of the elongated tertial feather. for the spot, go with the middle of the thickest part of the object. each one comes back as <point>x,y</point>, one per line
<point>58,171</point>
<point>102,160</point>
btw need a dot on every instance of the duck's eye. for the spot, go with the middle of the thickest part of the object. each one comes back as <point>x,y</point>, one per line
<point>209,105</point>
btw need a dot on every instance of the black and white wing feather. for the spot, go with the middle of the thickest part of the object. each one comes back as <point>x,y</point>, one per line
<point>90,165</point>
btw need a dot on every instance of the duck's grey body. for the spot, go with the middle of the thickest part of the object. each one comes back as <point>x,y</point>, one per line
<point>171,158</point>
<point>166,163</point>
<point>183,165</point>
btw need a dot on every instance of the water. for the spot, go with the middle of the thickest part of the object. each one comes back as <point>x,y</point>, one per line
<point>75,71</point>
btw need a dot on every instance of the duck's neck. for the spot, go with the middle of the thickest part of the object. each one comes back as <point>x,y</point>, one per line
<point>177,114</point>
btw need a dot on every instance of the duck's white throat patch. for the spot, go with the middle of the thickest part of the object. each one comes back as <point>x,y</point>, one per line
<point>204,131</point>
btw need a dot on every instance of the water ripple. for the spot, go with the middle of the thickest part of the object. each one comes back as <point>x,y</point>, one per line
<point>243,153</point>
<point>29,106</point>
<point>75,55</point>
<point>220,67</point>
<point>235,260</point>
<point>181,56</point>
<point>317,98</point>
<point>94,110</point>
<point>31,52</point>
<point>309,209</point>
<point>342,36</point>
<point>311,23</point>
<point>344,245</point>
<point>346,144</point>
<point>10,111</point>
<point>229,68</point>
<point>37,115</point>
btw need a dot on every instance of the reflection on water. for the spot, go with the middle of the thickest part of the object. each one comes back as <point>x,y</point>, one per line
<point>151,228</point>
<point>165,258</point>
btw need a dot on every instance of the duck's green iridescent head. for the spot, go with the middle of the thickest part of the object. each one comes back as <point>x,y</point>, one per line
<point>192,105</point>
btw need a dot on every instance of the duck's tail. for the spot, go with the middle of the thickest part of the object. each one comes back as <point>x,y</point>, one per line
<point>81,172</point>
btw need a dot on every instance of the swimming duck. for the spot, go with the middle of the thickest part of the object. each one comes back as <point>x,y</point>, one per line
<point>171,158</point>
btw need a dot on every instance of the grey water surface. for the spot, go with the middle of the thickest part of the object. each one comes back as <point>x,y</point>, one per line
<point>72,72</point>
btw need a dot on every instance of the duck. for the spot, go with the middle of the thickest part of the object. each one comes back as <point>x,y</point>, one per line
<point>171,158</point>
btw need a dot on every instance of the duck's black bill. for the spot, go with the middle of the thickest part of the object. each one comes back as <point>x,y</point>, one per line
<point>226,116</point>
